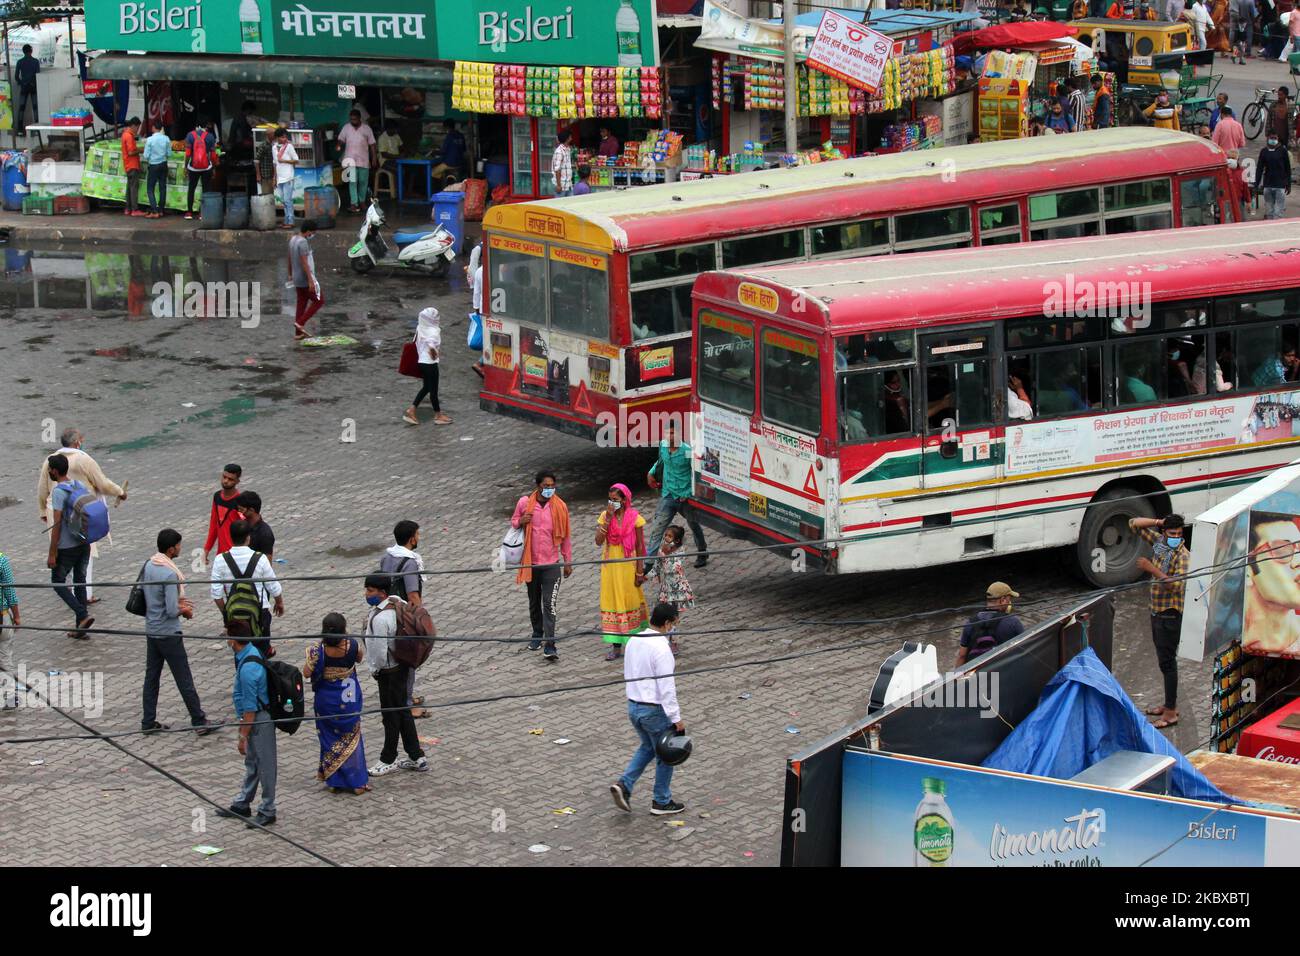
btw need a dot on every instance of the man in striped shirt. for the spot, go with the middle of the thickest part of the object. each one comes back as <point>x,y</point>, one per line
<point>562,164</point>
<point>8,607</point>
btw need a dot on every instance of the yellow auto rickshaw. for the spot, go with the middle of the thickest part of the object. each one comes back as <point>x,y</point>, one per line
<point>1131,45</point>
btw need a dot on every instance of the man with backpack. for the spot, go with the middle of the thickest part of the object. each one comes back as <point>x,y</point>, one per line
<point>82,468</point>
<point>200,160</point>
<point>256,731</point>
<point>404,564</point>
<point>163,587</point>
<point>70,540</point>
<point>992,626</point>
<point>239,596</point>
<point>382,629</point>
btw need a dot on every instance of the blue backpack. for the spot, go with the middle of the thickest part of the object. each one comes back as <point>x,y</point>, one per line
<point>85,514</point>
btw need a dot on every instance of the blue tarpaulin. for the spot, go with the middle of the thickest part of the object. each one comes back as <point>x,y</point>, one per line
<point>1084,716</point>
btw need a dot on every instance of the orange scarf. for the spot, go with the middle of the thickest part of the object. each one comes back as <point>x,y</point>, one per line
<point>559,531</point>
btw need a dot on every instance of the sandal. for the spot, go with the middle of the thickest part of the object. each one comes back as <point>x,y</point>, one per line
<point>1164,724</point>
<point>1155,711</point>
<point>419,713</point>
<point>410,420</point>
<point>417,701</point>
<point>613,654</point>
<point>442,420</point>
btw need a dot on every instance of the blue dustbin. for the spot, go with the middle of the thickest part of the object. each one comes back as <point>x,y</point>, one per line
<point>449,212</point>
<point>15,182</point>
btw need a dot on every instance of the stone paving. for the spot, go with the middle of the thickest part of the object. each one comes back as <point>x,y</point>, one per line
<point>166,402</point>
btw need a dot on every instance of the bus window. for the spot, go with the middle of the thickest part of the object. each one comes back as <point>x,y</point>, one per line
<point>958,381</point>
<point>948,226</point>
<point>518,286</point>
<point>1197,202</point>
<point>1182,354</point>
<point>791,381</point>
<point>580,293</point>
<point>1067,215</point>
<point>1037,331</point>
<point>1219,366</point>
<point>679,263</point>
<point>1058,381</point>
<point>856,237</point>
<point>1266,356</point>
<point>872,349</point>
<point>661,310</point>
<point>1139,371</point>
<point>999,224</point>
<point>726,361</point>
<point>752,250</point>
<point>1260,308</point>
<point>875,404</point>
<point>1139,205</point>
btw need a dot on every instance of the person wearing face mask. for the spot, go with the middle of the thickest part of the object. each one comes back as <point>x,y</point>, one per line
<point>1168,569</point>
<point>992,626</point>
<point>391,676</point>
<point>620,532</point>
<point>302,271</point>
<point>1273,177</point>
<point>428,345</point>
<point>1163,114</point>
<point>545,519</point>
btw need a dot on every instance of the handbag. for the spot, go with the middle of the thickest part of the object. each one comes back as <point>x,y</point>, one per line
<point>135,603</point>
<point>475,338</point>
<point>409,363</point>
<point>512,548</point>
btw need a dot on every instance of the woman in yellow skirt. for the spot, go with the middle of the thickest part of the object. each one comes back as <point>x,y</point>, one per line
<point>622,605</point>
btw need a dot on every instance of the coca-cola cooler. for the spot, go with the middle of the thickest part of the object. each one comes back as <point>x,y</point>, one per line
<point>1276,737</point>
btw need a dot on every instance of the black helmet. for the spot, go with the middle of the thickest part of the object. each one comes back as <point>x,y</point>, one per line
<point>673,746</point>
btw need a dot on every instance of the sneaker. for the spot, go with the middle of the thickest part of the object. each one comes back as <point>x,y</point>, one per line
<point>550,653</point>
<point>419,766</point>
<point>534,645</point>
<point>234,811</point>
<point>665,809</point>
<point>262,820</point>
<point>189,215</point>
<point>621,794</point>
<point>381,768</point>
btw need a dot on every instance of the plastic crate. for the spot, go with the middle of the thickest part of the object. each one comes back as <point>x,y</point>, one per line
<point>38,205</point>
<point>71,205</point>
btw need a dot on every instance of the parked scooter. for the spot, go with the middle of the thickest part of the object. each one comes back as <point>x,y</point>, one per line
<point>421,250</point>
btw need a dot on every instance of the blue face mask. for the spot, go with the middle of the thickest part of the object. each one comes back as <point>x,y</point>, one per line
<point>1173,543</point>
<point>374,599</point>
<point>548,492</point>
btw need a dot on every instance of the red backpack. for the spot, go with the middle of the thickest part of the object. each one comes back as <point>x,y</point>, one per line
<point>200,159</point>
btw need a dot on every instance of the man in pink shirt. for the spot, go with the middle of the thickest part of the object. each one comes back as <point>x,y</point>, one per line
<point>545,519</point>
<point>357,144</point>
<point>1228,134</point>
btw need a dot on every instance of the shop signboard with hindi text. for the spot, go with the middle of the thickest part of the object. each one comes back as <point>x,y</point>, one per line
<point>402,29</point>
<point>849,51</point>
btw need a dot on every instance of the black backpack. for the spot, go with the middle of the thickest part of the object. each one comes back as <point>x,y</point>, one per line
<point>284,693</point>
<point>983,635</point>
<point>396,578</point>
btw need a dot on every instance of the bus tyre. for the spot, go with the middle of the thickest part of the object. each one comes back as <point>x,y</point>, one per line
<point>1108,551</point>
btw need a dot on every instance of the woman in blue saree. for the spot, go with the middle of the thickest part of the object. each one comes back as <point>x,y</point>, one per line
<point>331,667</point>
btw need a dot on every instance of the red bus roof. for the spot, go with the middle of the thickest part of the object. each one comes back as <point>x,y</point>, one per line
<point>677,213</point>
<point>932,288</point>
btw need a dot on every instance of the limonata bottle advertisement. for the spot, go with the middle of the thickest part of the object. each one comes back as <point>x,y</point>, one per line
<point>900,811</point>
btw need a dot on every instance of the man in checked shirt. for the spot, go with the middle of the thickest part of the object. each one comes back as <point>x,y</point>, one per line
<point>1168,569</point>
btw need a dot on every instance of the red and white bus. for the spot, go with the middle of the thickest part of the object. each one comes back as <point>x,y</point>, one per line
<point>927,409</point>
<point>588,298</point>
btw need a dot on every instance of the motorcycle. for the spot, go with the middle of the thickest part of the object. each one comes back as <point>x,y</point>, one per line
<point>420,250</point>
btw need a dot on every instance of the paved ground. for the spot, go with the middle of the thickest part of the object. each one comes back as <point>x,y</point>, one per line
<point>166,401</point>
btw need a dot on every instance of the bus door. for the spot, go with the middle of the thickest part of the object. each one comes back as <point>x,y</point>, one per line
<point>959,408</point>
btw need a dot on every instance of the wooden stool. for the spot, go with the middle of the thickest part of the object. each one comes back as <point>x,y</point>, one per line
<point>385,184</point>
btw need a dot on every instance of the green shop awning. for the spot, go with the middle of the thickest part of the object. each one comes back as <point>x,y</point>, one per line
<point>292,71</point>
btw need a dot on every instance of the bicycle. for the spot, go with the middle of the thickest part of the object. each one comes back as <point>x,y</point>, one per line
<point>1254,118</point>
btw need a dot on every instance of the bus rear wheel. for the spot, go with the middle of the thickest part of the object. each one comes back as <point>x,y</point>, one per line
<point>1107,551</point>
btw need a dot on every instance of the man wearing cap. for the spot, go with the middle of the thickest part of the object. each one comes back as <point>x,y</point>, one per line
<point>992,626</point>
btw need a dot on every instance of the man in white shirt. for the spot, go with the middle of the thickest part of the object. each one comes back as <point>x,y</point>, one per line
<point>286,162</point>
<point>651,707</point>
<point>223,575</point>
<point>391,675</point>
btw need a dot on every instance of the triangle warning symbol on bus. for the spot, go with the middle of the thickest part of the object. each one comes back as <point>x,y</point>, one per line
<point>581,401</point>
<point>756,463</point>
<point>810,483</point>
<point>514,383</point>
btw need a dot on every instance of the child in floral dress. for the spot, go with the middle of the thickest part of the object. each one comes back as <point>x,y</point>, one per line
<point>671,577</point>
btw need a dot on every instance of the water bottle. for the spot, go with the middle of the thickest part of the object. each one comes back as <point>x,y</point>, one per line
<point>627,26</point>
<point>250,27</point>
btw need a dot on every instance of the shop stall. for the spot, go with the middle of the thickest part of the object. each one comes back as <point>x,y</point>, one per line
<point>1031,755</point>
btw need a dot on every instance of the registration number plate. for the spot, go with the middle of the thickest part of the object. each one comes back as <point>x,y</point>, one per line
<point>758,506</point>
